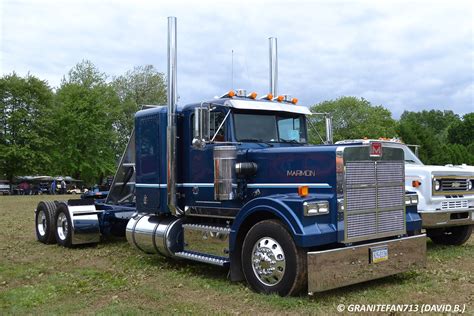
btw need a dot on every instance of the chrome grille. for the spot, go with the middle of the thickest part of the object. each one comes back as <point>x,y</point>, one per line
<point>360,172</point>
<point>361,225</point>
<point>390,196</point>
<point>391,221</point>
<point>389,171</point>
<point>452,184</point>
<point>446,205</point>
<point>374,198</point>
<point>359,199</point>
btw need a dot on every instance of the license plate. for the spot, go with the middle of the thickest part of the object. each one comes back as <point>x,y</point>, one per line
<point>378,254</point>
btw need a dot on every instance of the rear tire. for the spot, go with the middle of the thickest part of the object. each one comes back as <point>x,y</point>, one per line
<point>64,228</point>
<point>271,262</point>
<point>45,224</point>
<point>454,236</point>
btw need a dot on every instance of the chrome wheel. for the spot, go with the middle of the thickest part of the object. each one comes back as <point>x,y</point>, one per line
<point>268,261</point>
<point>42,225</point>
<point>62,226</point>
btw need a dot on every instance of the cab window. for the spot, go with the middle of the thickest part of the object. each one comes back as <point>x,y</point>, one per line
<point>216,118</point>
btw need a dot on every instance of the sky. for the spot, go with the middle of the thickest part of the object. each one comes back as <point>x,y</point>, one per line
<point>404,55</point>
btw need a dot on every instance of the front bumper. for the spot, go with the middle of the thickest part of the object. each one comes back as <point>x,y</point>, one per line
<point>330,269</point>
<point>447,218</point>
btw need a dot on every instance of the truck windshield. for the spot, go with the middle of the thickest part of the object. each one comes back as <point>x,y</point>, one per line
<point>270,127</point>
<point>410,157</point>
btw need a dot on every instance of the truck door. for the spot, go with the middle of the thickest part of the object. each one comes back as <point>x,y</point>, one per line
<point>201,177</point>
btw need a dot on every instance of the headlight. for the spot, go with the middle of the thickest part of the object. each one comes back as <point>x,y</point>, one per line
<point>469,184</point>
<point>316,208</point>
<point>437,185</point>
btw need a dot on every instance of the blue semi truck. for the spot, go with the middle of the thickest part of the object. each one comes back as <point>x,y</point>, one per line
<point>232,182</point>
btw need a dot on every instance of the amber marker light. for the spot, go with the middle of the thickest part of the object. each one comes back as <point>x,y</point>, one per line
<point>415,183</point>
<point>231,93</point>
<point>253,95</point>
<point>303,190</point>
<point>294,100</point>
<point>280,98</point>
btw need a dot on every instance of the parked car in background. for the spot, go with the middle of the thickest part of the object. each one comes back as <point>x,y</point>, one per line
<point>74,191</point>
<point>5,187</point>
<point>42,188</point>
<point>445,193</point>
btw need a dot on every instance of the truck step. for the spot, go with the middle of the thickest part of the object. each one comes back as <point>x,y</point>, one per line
<point>203,257</point>
<point>207,228</point>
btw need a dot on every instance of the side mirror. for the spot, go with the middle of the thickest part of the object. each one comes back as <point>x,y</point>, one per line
<point>202,129</point>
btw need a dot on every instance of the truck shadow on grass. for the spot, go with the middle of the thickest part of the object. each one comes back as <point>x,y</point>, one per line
<point>214,273</point>
<point>374,286</point>
<point>419,279</point>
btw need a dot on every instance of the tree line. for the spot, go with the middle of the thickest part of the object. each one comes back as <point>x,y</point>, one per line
<point>443,136</point>
<point>81,127</point>
<point>78,129</point>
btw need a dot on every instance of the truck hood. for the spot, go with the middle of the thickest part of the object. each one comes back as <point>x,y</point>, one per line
<point>294,165</point>
<point>414,169</point>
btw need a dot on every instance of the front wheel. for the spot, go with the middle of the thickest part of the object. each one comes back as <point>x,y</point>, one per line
<point>454,236</point>
<point>271,261</point>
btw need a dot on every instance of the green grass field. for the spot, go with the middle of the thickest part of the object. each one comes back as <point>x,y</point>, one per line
<point>113,278</point>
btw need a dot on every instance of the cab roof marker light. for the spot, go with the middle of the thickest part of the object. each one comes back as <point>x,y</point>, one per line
<point>252,95</point>
<point>268,96</point>
<point>229,94</point>
<point>279,98</point>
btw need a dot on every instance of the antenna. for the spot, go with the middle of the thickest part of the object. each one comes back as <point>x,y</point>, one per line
<point>232,74</point>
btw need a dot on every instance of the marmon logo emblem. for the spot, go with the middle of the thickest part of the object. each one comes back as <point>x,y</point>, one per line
<point>455,184</point>
<point>375,149</point>
<point>300,173</point>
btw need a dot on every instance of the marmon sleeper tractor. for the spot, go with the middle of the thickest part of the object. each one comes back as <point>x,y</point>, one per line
<point>232,182</point>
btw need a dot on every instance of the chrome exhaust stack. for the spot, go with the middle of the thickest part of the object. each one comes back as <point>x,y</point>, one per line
<point>171,127</point>
<point>329,137</point>
<point>273,65</point>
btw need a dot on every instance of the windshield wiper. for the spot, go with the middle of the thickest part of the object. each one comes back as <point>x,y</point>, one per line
<point>256,140</point>
<point>289,141</point>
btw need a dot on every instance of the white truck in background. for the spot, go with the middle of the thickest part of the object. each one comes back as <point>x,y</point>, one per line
<point>445,195</point>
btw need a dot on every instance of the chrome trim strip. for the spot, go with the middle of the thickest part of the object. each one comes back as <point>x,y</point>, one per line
<point>250,185</point>
<point>150,185</point>
<point>210,202</point>
<point>288,185</point>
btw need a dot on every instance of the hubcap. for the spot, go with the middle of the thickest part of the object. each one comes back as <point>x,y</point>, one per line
<point>62,226</point>
<point>268,261</point>
<point>42,226</point>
